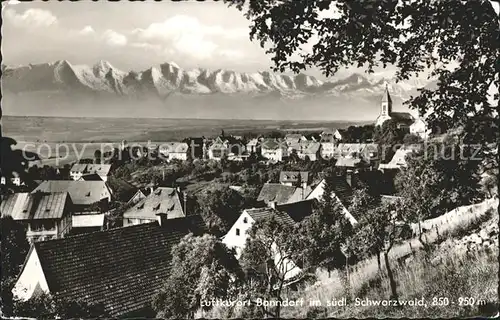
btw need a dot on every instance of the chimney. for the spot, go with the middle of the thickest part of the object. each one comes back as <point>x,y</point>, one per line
<point>272,204</point>
<point>161,217</point>
<point>151,190</point>
<point>184,195</point>
<point>348,178</point>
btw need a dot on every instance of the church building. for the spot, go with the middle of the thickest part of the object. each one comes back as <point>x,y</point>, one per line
<point>404,119</point>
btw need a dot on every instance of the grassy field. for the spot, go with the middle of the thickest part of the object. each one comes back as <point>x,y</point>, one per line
<point>456,276</point>
<point>47,129</point>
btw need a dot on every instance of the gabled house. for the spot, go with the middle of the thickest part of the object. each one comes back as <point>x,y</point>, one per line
<point>197,146</point>
<point>236,237</point>
<point>84,194</point>
<point>90,177</point>
<point>273,194</point>
<point>309,150</point>
<point>253,146</point>
<point>342,193</point>
<point>78,170</point>
<point>328,146</point>
<point>291,178</point>
<point>275,150</point>
<point>218,149</point>
<point>398,160</point>
<point>331,134</point>
<point>14,180</point>
<point>138,196</point>
<point>45,215</point>
<point>162,201</point>
<point>120,269</point>
<point>349,163</point>
<point>420,128</point>
<point>293,141</point>
<point>174,151</point>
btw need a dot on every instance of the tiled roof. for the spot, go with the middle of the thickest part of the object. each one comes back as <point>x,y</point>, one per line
<point>81,192</point>
<point>341,189</point>
<point>161,201</point>
<point>398,160</point>
<point>91,177</point>
<point>78,167</point>
<point>253,142</point>
<point>309,147</point>
<point>347,162</point>
<point>35,206</point>
<point>275,192</point>
<point>273,144</point>
<point>120,268</point>
<point>100,169</point>
<point>262,213</point>
<point>292,176</point>
<point>298,210</point>
<point>402,116</point>
<point>293,136</point>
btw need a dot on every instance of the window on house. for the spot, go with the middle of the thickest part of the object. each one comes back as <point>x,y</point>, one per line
<point>49,225</point>
<point>245,220</point>
<point>36,226</point>
<point>237,232</point>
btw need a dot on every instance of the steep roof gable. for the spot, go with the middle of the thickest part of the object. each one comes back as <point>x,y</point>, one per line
<point>276,192</point>
<point>161,201</point>
<point>121,268</point>
<point>81,192</point>
<point>35,206</point>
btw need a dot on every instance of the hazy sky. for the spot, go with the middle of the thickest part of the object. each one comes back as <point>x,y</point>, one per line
<point>131,35</point>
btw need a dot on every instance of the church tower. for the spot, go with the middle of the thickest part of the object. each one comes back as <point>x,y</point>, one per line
<point>385,108</point>
<point>386,103</point>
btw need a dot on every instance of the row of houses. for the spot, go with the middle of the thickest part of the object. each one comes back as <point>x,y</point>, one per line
<point>122,268</point>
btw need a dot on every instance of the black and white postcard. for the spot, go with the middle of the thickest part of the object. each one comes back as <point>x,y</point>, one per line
<point>249,159</point>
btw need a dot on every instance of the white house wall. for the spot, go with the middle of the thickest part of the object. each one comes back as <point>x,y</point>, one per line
<point>31,275</point>
<point>231,240</point>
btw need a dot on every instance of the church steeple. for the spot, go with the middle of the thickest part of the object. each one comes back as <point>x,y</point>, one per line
<point>386,105</point>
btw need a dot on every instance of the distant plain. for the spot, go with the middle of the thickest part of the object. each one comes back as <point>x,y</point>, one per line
<point>32,133</point>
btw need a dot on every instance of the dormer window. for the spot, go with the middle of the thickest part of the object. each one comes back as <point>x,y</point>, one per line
<point>88,194</point>
<point>141,206</point>
<point>158,192</point>
<point>157,207</point>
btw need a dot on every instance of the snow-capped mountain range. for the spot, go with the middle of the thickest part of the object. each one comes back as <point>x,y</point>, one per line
<point>168,87</point>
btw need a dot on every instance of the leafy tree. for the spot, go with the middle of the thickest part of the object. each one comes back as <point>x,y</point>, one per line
<point>46,306</point>
<point>323,234</point>
<point>388,137</point>
<point>14,248</point>
<point>220,207</point>
<point>437,179</point>
<point>267,261</point>
<point>377,232</point>
<point>410,139</point>
<point>298,183</point>
<point>97,156</point>
<point>457,41</point>
<point>203,268</point>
